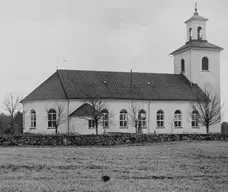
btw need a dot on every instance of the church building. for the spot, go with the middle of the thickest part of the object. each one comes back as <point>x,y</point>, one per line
<point>162,100</point>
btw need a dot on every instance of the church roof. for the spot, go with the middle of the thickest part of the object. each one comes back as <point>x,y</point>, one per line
<point>197,44</point>
<point>84,110</point>
<point>80,84</point>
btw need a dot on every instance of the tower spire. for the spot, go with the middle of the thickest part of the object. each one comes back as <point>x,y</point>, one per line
<point>196,13</point>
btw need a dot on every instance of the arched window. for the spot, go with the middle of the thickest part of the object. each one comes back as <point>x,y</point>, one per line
<point>195,118</point>
<point>205,64</point>
<point>105,118</point>
<point>33,118</point>
<point>123,118</point>
<point>177,119</point>
<point>190,34</point>
<point>182,66</point>
<point>160,118</point>
<point>142,118</point>
<point>51,118</point>
<point>200,33</point>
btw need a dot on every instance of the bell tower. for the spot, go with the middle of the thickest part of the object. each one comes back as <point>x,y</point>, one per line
<point>196,26</point>
<point>198,59</point>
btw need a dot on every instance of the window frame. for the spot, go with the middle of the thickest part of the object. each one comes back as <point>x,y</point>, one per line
<point>105,118</point>
<point>177,119</point>
<point>32,119</point>
<point>123,119</point>
<point>160,119</point>
<point>182,66</point>
<point>195,121</point>
<point>205,61</point>
<point>199,31</point>
<point>190,33</point>
<point>52,118</point>
<point>142,120</point>
<point>91,124</point>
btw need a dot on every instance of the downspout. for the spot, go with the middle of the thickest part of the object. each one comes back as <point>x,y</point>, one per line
<point>149,116</point>
<point>68,101</point>
<point>190,78</point>
<point>68,118</point>
<point>171,56</point>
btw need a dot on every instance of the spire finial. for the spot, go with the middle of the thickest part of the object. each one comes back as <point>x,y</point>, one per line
<point>196,13</point>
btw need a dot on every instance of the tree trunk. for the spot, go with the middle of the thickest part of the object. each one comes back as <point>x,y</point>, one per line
<point>207,129</point>
<point>12,125</point>
<point>56,130</point>
<point>96,128</point>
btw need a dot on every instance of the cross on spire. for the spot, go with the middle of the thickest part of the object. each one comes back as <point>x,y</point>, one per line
<point>196,13</point>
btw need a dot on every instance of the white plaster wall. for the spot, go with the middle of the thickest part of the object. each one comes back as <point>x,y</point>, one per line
<point>193,67</point>
<point>177,63</point>
<point>76,125</point>
<point>80,126</point>
<point>169,108</point>
<point>206,77</point>
<point>41,116</point>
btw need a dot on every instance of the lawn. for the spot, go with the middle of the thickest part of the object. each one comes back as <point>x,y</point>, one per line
<point>177,166</point>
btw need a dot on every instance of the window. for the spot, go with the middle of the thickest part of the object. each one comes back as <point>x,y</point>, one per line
<point>33,118</point>
<point>205,65</point>
<point>177,119</point>
<point>200,33</point>
<point>105,118</point>
<point>123,118</point>
<point>190,34</point>
<point>91,124</point>
<point>195,118</point>
<point>142,118</point>
<point>51,118</point>
<point>160,119</point>
<point>182,66</point>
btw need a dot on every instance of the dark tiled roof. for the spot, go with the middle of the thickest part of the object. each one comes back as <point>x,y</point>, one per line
<point>79,84</point>
<point>83,110</point>
<point>197,44</point>
<point>50,89</point>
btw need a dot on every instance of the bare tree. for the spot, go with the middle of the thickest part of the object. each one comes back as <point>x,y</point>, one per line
<point>135,118</point>
<point>98,113</point>
<point>12,106</point>
<point>60,116</point>
<point>206,110</point>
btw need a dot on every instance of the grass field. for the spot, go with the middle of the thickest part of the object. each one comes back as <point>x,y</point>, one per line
<point>177,166</point>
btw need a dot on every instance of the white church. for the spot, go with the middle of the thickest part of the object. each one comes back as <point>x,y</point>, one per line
<point>163,100</point>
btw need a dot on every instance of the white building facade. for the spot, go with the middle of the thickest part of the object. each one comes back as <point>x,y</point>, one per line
<point>79,125</point>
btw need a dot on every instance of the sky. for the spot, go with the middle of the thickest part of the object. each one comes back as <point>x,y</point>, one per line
<point>39,36</point>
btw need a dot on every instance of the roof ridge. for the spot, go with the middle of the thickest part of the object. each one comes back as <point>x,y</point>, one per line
<point>115,71</point>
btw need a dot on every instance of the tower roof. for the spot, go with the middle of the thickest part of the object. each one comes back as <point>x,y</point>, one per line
<point>196,16</point>
<point>197,44</point>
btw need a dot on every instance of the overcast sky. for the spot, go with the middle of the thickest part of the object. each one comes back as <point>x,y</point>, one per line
<point>36,36</point>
